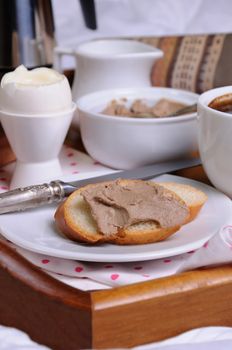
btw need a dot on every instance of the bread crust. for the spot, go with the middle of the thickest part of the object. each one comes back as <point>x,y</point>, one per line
<point>222,103</point>
<point>144,237</point>
<point>127,236</point>
<point>65,225</point>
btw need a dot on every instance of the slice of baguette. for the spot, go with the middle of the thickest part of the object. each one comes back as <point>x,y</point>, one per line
<point>193,197</point>
<point>73,218</point>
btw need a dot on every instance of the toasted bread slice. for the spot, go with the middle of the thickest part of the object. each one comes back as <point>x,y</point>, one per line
<point>73,218</point>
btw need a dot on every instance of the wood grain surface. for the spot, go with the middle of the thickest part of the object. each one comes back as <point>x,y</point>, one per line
<point>51,312</point>
<point>156,310</point>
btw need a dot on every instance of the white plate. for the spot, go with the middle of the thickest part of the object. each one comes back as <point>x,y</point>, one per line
<point>35,230</point>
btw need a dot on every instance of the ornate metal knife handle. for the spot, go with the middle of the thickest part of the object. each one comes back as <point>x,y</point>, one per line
<point>31,197</point>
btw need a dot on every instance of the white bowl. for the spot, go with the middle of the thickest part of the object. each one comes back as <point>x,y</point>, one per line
<point>126,143</point>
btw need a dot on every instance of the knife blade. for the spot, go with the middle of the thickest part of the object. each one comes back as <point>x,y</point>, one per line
<point>37,195</point>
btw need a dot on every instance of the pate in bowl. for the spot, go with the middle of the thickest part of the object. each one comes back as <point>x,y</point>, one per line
<point>126,141</point>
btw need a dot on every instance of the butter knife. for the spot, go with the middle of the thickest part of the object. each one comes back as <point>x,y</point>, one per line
<point>37,195</point>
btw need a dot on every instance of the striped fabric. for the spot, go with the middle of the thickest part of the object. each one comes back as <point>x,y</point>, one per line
<point>195,63</point>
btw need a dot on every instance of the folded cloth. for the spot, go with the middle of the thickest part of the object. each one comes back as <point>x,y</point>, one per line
<point>218,250</point>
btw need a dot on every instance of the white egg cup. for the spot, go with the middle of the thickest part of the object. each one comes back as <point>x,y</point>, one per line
<point>36,141</point>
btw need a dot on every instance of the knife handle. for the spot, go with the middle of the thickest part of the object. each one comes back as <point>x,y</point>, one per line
<point>31,197</point>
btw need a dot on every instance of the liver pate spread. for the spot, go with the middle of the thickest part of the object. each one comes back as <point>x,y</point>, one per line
<point>117,205</point>
<point>140,109</point>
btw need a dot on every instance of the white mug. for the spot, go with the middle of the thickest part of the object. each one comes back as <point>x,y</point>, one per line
<point>215,140</point>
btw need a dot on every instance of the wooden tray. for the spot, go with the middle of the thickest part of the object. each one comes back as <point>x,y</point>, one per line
<point>65,318</point>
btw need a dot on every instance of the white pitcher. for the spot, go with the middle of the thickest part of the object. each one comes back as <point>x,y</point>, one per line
<point>109,63</point>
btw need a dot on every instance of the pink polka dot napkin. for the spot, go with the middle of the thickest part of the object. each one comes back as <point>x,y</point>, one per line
<point>74,165</point>
<point>218,250</point>
<point>88,275</point>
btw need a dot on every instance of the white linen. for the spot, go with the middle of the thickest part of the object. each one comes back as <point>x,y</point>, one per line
<point>14,339</point>
<point>206,338</point>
